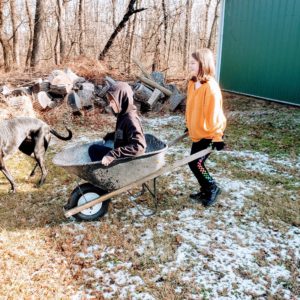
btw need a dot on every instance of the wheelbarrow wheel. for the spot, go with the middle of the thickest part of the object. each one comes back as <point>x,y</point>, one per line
<point>85,193</point>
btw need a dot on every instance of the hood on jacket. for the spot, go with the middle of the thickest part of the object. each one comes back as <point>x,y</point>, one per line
<point>123,95</point>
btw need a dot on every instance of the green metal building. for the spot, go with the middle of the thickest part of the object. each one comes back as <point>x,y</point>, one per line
<point>259,49</point>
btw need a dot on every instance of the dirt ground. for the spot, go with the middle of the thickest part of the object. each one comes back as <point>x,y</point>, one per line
<point>244,247</point>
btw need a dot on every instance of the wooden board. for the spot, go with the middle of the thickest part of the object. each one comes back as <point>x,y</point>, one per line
<point>155,85</point>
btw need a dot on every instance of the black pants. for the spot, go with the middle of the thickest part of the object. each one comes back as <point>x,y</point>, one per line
<point>197,166</point>
<point>97,152</point>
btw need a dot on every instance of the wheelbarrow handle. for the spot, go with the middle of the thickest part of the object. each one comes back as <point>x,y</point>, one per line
<point>173,142</point>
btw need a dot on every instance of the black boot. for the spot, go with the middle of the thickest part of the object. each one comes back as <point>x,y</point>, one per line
<point>200,196</point>
<point>211,196</point>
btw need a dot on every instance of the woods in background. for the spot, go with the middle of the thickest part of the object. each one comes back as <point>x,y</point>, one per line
<point>160,33</point>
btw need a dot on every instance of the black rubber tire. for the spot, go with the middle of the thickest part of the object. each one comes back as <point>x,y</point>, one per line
<point>79,194</point>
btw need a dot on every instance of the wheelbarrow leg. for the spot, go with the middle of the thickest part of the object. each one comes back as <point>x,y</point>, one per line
<point>153,193</point>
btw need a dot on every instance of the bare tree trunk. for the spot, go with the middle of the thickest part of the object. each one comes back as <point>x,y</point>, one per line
<point>16,54</point>
<point>30,25</point>
<point>56,52</point>
<point>203,38</point>
<point>186,32</point>
<point>165,22</point>
<point>175,20</point>
<point>4,40</point>
<point>81,26</point>
<point>113,2</point>
<point>37,33</point>
<point>212,35</point>
<point>131,42</point>
<point>156,59</point>
<point>60,30</point>
<point>130,11</point>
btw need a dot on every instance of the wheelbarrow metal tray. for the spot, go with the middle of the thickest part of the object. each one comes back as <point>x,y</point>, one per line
<point>121,172</point>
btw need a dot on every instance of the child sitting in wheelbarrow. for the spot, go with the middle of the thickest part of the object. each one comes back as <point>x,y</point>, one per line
<point>129,139</point>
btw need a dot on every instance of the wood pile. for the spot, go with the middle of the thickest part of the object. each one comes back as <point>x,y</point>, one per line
<point>150,92</point>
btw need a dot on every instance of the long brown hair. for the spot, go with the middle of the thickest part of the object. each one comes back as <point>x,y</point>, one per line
<point>205,58</point>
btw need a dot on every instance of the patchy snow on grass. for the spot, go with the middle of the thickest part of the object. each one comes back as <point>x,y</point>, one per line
<point>146,241</point>
<point>254,161</point>
<point>175,126</point>
<point>112,278</point>
<point>225,258</point>
<point>286,162</point>
<point>260,162</point>
<point>166,120</point>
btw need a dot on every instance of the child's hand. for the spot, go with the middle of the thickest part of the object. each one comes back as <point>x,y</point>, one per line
<point>107,160</point>
<point>218,146</point>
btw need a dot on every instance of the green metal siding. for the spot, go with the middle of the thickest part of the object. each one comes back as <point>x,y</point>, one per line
<point>261,49</point>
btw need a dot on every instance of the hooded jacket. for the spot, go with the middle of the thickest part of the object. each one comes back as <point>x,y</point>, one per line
<point>129,139</point>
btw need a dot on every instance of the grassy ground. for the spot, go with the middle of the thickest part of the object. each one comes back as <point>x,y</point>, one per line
<point>245,246</point>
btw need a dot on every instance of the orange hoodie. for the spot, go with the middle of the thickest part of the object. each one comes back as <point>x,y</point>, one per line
<point>204,112</point>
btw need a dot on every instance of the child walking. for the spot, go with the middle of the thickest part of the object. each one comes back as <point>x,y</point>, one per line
<point>129,139</point>
<point>205,121</point>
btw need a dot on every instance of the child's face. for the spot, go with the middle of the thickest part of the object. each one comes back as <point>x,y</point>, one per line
<point>113,104</point>
<point>194,66</point>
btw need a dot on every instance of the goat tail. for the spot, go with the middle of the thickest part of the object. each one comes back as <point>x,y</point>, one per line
<point>64,138</point>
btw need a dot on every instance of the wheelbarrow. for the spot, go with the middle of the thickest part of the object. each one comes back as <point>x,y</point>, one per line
<point>90,201</point>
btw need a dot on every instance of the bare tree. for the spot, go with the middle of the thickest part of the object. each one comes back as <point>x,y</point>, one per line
<point>130,11</point>
<point>30,26</point>
<point>212,35</point>
<point>174,18</point>
<point>187,31</point>
<point>162,37</point>
<point>165,21</point>
<point>37,33</point>
<point>4,39</point>
<point>61,5</point>
<point>13,14</point>
<point>81,26</point>
<point>131,41</point>
<point>113,2</point>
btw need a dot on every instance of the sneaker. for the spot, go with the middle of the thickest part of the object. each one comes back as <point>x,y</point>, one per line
<point>211,196</point>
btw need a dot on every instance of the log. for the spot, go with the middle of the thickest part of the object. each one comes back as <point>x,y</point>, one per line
<point>60,84</point>
<point>141,92</point>
<point>155,85</point>
<point>142,68</point>
<point>24,91</point>
<point>73,101</point>
<point>154,97</point>
<point>44,99</point>
<point>4,90</point>
<point>175,100</point>
<point>111,81</point>
<point>43,86</point>
<point>61,89</point>
<point>71,75</point>
<point>86,93</point>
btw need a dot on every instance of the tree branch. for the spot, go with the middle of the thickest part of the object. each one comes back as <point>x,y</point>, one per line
<point>130,11</point>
